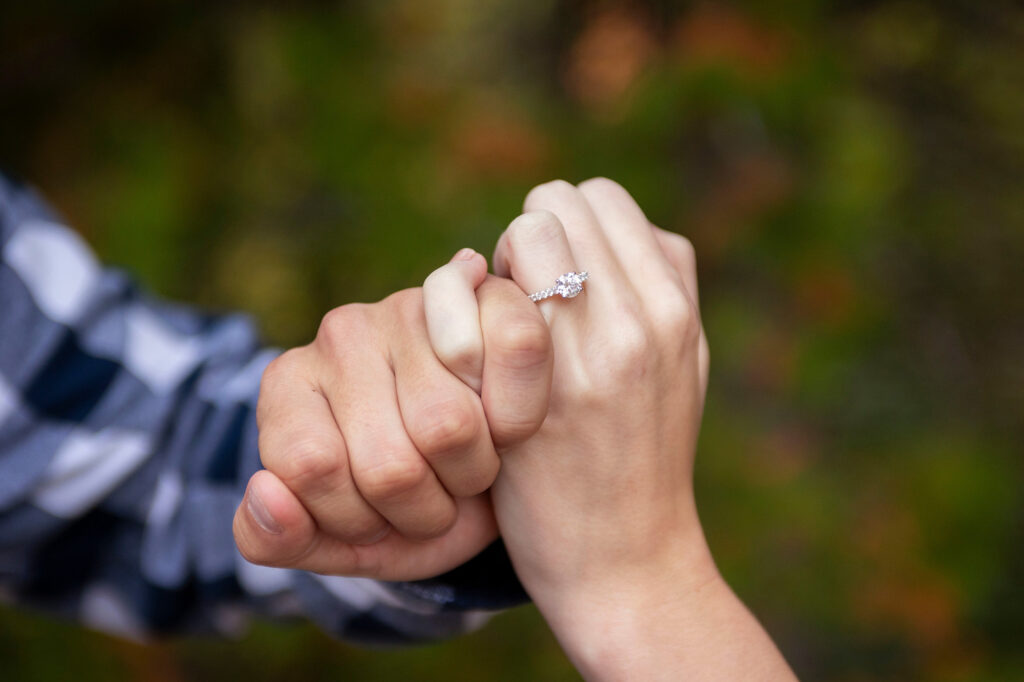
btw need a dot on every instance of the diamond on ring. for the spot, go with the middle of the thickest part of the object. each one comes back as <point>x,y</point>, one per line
<point>568,285</point>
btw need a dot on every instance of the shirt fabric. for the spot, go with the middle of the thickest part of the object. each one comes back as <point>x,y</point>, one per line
<point>127,435</point>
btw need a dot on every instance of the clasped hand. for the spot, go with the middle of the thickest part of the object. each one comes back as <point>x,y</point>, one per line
<point>398,442</point>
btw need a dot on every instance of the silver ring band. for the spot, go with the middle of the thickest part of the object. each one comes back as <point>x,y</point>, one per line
<point>568,285</point>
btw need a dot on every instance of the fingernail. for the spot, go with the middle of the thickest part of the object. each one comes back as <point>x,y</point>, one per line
<point>464,254</point>
<point>261,515</point>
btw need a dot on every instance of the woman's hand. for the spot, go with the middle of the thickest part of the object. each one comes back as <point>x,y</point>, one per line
<point>597,509</point>
<point>602,497</point>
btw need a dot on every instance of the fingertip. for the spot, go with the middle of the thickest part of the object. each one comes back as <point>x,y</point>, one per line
<point>478,269</point>
<point>452,316</point>
<point>466,265</point>
<point>463,255</point>
<point>271,526</point>
<point>259,512</point>
<point>545,190</point>
<point>278,501</point>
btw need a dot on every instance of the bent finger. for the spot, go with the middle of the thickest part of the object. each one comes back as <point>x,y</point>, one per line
<point>627,230</point>
<point>300,443</point>
<point>388,470</point>
<point>443,416</point>
<point>680,254</point>
<point>590,247</point>
<point>533,251</point>
<point>398,558</point>
<point>453,320</point>
<point>518,362</point>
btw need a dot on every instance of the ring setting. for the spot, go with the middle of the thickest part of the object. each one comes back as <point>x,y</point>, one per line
<point>568,285</point>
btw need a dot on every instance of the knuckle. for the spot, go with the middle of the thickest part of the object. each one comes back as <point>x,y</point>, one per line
<point>447,427</point>
<point>509,430</point>
<point>521,342</point>
<point>435,524</point>
<point>338,318</point>
<point>448,277</point>
<point>704,354</point>
<point>304,461</point>
<point>551,191</point>
<point>477,478</point>
<point>687,254</point>
<point>682,248</point>
<point>507,289</point>
<point>392,479</point>
<point>404,299</point>
<point>631,347</point>
<point>339,326</point>
<point>685,246</point>
<point>280,368</point>
<point>533,229</point>
<point>407,306</point>
<point>603,186</point>
<point>460,353</point>
<point>439,278</point>
<point>268,384</point>
<point>687,321</point>
<point>627,356</point>
<point>675,317</point>
<point>441,282</point>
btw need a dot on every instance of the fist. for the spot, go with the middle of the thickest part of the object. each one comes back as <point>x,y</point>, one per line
<point>378,452</point>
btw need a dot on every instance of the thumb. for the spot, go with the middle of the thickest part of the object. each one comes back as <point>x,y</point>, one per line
<point>273,528</point>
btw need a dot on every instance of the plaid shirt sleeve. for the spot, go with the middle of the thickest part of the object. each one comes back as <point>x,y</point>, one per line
<point>127,434</point>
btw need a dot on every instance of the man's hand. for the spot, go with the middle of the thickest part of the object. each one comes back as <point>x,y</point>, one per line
<point>377,456</point>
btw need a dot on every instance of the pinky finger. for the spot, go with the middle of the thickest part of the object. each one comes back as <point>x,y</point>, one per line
<point>679,252</point>
<point>453,318</point>
<point>681,255</point>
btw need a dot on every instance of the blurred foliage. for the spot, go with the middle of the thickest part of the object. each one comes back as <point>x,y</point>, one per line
<point>851,176</point>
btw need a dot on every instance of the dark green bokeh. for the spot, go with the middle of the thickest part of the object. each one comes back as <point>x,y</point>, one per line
<point>850,174</point>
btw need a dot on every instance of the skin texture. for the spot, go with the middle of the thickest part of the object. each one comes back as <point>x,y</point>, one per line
<point>597,509</point>
<point>380,437</point>
<point>377,457</point>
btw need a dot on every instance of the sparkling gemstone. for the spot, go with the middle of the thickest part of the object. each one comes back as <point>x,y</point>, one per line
<point>569,285</point>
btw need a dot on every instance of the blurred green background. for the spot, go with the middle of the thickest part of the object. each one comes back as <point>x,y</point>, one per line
<point>849,172</point>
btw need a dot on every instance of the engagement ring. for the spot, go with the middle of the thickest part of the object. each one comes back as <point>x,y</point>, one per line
<point>568,285</point>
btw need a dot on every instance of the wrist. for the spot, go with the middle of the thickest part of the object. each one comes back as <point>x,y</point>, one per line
<point>612,623</point>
